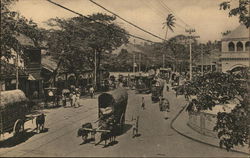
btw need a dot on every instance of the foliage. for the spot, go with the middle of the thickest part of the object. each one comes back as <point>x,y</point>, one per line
<point>241,10</point>
<point>220,88</point>
<point>170,22</point>
<point>12,25</point>
<point>78,38</point>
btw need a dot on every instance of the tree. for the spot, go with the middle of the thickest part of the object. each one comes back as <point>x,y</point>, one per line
<point>169,23</point>
<point>12,25</point>
<point>78,39</point>
<point>242,11</point>
<point>217,88</point>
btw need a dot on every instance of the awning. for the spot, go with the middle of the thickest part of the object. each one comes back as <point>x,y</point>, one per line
<point>34,77</point>
<point>31,78</point>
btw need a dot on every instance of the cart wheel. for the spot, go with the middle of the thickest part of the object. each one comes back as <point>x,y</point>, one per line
<point>18,127</point>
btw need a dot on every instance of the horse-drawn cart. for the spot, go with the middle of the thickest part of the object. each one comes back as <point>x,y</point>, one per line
<point>13,110</point>
<point>111,116</point>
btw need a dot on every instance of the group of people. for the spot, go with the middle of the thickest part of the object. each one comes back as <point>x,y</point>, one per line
<point>74,98</point>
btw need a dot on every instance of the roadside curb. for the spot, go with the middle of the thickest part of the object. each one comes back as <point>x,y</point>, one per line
<point>194,139</point>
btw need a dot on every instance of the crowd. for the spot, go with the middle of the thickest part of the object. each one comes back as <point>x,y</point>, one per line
<point>74,97</point>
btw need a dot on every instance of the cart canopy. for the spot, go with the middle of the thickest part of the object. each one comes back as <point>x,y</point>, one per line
<point>112,98</point>
<point>12,97</point>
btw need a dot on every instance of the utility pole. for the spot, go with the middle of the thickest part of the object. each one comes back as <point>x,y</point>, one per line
<point>139,62</point>
<point>202,62</point>
<point>95,69</point>
<point>163,61</point>
<point>190,31</point>
<point>134,64</point>
<point>17,77</point>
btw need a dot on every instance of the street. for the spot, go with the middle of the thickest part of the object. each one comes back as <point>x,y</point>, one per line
<point>156,136</point>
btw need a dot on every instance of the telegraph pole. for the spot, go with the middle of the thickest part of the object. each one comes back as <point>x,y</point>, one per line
<point>95,68</point>
<point>202,62</point>
<point>17,77</point>
<point>163,61</point>
<point>190,31</point>
<point>133,63</point>
<point>139,62</point>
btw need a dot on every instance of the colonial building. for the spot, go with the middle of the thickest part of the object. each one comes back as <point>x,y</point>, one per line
<point>235,51</point>
<point>30,65</point>
<point>209,62</point>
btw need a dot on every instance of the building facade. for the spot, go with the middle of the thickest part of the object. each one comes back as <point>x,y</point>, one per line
<point>235,49</point>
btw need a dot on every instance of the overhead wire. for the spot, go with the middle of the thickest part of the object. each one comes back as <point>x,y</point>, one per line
<point>160,12</point>
<point>126,20</point>
<point>88,18</point>
<point>170,10</point>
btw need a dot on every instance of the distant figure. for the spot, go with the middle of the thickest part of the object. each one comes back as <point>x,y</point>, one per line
<point>77,102</point>
<point>167,88</point>
<point>143,104</point>
<point>64,101</point>
<point>73,99</point>
<point>136,127</point>
<point>91,91</point>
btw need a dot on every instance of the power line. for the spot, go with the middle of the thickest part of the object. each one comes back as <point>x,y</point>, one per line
<point>88,18</point>
<point>170,10</point>
<point>126,20</point>
<point>162,14</point>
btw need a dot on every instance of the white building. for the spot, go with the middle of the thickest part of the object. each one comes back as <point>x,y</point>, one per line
<point>236,49</point>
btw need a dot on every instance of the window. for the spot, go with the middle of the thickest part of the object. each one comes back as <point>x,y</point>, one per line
<point>239,46</point>
<point>247,46</point>
<point>231,46</point>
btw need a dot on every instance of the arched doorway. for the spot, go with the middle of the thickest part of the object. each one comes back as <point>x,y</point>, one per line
<point>71,80</point>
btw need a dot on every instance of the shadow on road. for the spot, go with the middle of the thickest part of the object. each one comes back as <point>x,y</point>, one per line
<point>87,141</point>
<point>126,128</point>
<point>15,140</point>
<point>21,138</point>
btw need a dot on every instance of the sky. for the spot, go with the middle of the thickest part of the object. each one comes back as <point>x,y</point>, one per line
<point>202,15</point>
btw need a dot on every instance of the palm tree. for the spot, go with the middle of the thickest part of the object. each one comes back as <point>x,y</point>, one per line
<point>169,23</point>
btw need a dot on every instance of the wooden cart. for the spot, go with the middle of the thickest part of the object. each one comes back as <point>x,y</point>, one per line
<point>13,108</point>
<point>115,100</point>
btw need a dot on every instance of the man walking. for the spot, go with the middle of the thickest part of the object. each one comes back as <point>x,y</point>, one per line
<point>91,90</point>
<point>143,104</point>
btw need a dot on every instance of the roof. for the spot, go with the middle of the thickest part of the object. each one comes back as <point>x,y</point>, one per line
<point>49,63</point>
<point>240,32</point>
<point>129,47</point>
<point>25,40</point>
<point>9,70</point>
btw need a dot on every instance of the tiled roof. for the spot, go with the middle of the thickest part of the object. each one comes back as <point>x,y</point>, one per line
<point>240,32</point>
<point>24,40</point>
<point>129,47</point>
<point>51,64</point>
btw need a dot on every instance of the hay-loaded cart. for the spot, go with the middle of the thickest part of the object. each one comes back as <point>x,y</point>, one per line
<point>13,112</point>
<point>111,105</point>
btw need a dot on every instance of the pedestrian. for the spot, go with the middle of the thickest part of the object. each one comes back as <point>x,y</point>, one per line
<point>64,100</point>
<point>73,99</point>
<point>167,88</point>
<point>77,102</point>
<point>143,104</point>
<point>91,90</point>
<point>136,127</point>
<point>165,107</point>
